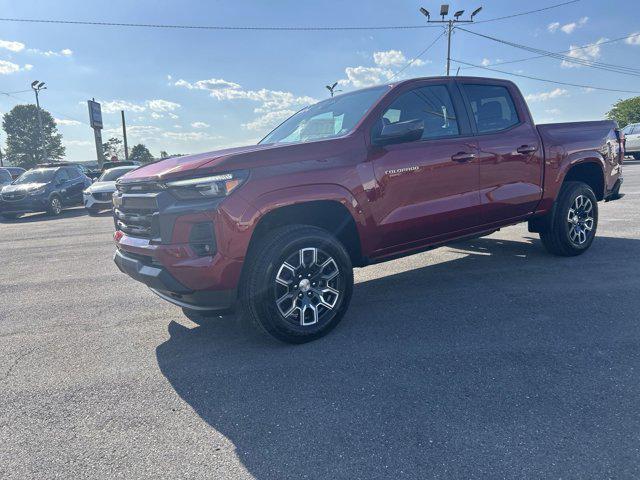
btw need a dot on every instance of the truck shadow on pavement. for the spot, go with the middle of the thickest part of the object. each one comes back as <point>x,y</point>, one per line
<point>505,362</point>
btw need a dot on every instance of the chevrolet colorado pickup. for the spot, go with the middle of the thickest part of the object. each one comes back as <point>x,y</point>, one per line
<point>276,228</point>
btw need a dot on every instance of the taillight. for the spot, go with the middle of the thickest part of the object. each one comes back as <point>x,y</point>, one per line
<point>202,239</point>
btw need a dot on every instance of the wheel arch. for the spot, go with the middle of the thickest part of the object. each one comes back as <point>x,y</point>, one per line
<point>589,170</point>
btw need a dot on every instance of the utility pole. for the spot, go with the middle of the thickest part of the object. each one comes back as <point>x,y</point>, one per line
<point>37,86</point>
<point>332,89</point>
<point>450,25</point>
<point>124,135</point>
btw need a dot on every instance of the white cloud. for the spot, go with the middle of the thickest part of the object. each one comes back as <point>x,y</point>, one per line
<point>12,46</point>
<point>66,122</point>
<point>485,62</point>
<point>156,116</point>
<point>544,96</point>
<point>172,115</point>
<point>114,106</point>
<point>633,39</point>
<point>7,67</point>
<point>269,120</point>
<point>389,58</point>
<point>360,76</point>
<point>160,105</point>
<point>200,125</point>
<point>567,28</point>
<point>272,103</point>
<point>189,136</point>
<point>78,143</point>
<point>65,52</point>
<point>588,54</point>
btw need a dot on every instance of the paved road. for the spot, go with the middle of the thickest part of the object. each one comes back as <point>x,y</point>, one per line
<point>487,359</point>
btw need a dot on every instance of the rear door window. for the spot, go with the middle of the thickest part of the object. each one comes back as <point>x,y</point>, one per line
<point>493,107</point>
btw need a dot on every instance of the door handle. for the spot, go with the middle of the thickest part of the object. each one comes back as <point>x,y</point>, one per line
<point>463,157</point>
<point>527,149</point>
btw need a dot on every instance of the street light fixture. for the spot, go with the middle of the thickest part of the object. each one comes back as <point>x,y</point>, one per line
<point>36,85</point>
<point>450,24</point>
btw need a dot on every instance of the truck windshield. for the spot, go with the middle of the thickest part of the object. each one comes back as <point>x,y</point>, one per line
<point>328,119</point>
<point>40,175</point>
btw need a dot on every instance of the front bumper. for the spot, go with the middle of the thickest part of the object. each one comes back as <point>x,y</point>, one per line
<point>90,201</point>
<point>28,204</point>
<point>166,286</point>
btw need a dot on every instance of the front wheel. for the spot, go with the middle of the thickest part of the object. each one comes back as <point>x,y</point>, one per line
<point>298,283</point>
<point>574,222</point>
<point>55,206</point>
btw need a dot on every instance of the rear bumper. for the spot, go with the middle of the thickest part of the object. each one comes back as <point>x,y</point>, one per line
<point>166,286</point>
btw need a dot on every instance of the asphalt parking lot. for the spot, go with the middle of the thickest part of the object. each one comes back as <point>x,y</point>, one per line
<point>486,359</point>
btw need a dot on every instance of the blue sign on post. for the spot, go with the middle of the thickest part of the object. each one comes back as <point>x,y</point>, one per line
<point>95,114</point>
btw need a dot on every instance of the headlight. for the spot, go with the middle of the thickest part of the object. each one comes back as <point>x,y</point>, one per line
<point>208,187</point>
<point>37,191</point>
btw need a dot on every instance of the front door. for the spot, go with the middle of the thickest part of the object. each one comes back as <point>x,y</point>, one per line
<point>427,188</point>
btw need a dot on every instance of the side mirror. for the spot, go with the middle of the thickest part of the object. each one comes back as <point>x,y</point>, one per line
<point>400,132</point>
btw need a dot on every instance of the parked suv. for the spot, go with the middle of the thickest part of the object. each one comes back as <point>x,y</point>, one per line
<point>47,188</point>
<point>98,196</point>
<point>632,140</point>
<point>276,228</point>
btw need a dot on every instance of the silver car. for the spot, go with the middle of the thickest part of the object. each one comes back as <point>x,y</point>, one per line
<point>632,139</point>
<point>98,196</point>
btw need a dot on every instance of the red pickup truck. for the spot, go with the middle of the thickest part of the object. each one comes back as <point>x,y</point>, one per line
<point>276,228</point>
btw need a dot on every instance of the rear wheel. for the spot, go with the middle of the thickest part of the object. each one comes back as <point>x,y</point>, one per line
<point>55,206</point>
<point>636,155</point>
<point>93,211</point>
<point>574,222</point>
<point>298,284</point>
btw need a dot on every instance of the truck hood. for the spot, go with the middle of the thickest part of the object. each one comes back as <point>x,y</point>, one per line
<point>179,166</point>
<point>23,187</point>
<point>245,158</point>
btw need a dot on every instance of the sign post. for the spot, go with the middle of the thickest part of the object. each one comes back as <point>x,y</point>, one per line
<point>95,119</point>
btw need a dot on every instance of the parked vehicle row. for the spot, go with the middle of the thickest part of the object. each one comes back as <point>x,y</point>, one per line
<point>51,187</point>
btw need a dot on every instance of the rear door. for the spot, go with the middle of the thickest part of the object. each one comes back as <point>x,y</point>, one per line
<point>510,151</point>
<point>427,188</point>
<point>75,185</point>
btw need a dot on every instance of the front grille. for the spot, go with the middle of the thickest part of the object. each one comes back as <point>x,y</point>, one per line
<point>139,187</point>
<point>137,216</point>
<point>14,196</point>
<point>103,196</point>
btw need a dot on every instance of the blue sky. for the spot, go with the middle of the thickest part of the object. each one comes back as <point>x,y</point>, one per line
<point>187,91</point>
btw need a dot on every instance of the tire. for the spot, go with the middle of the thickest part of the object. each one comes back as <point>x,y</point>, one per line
<point>55,206</point>
<point>297,284</point>
<point>10,216</point>
<point>574,222</point>
<point>93,211</point>
<point>199,316</point>
<point>636,155</point>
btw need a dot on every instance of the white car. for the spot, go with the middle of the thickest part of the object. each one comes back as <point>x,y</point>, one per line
<point>632,137</point>
<point>98,196</point>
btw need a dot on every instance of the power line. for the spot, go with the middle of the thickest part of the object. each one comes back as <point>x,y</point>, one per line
<point>418,56</point>
<point>528,13</point>
<point>212,27</point>
<point>619,39</point>
<point>545,79</point>
<point>11,93</point>
<point>258,28</point>
<point>565,58</point>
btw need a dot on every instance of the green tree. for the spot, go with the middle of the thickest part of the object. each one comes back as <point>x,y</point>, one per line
<point>140,153</point>
<point>164,154</point>
<point>113,147</point>
<point>23,136</point>
<point>625,111</point>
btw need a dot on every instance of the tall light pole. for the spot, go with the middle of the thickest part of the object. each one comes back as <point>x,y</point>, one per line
<point>37,86</point>
<point>450,25</point>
